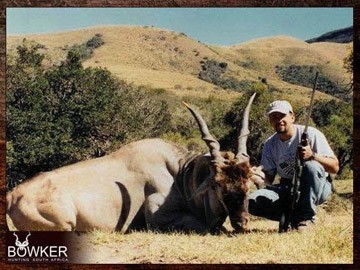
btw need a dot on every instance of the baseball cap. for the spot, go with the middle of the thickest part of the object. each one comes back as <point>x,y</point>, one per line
<point>281,106</point>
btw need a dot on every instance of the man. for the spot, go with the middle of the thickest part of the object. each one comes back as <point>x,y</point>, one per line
<point>278,157</point>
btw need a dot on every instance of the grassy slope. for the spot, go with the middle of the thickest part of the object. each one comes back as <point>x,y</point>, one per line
<point>266,53</point>
<point>160,58</point>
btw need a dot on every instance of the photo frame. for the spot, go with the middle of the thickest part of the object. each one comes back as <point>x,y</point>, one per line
<point>159,4</point>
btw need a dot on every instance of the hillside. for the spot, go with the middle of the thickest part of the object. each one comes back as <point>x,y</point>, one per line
<point>344,35</point>
<point>162,59</point>
<point>263,55</point>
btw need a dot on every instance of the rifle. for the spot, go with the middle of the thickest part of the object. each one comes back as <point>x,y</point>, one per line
<point>294,194</point>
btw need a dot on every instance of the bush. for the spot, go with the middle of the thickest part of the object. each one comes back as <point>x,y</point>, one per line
<point>305,75</point>
<point>95,42</point>
<point>349,66</point>
<point>259,126</point>
<point>235,84</point>
<point>214,72</point>
<point>185,130</point>
<point>65,114</point>
<point>86,50</point>
<point>335,120</point>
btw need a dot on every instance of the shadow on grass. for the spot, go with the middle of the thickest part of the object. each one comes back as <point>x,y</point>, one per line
<point>251,231</point>
<point>268,231</point>
<point>347,196</point>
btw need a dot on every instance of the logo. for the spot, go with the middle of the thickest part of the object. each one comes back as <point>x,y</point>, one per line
<point>22,245</point>
<point>24,252</point>
<point>288,166</point>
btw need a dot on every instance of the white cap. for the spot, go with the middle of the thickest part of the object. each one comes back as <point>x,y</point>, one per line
<point>281,106</point>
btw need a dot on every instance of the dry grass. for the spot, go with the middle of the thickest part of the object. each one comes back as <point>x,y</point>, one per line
<point>148,57</point>
<point>266,53</point>
<point>324,244</point>
<point>175,83</point>
<point>159,58</point>
<point>330,241</point>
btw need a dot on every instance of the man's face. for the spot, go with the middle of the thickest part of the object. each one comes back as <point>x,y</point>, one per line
<point>281,122</point>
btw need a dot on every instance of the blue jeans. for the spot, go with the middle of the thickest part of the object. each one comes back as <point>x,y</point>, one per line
<point>314,190</point>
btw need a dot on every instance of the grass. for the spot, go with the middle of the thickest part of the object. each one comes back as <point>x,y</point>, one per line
<point>158,58</point>
<point>324,244</point>
<point>329,242</point>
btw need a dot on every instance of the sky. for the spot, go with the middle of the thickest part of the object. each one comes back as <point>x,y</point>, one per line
<point>213,26</point>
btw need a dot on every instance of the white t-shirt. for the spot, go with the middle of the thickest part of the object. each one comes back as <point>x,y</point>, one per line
<point>279,156</point>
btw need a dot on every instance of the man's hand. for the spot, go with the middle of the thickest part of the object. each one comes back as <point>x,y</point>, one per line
<point>306,153</point>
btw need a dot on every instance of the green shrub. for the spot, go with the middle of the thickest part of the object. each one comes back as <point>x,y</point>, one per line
<point>259,126</point>
<point>245,64</point>
<point>95,42</point>
<point>235,84</point>
<point>349,66</point>
<point>86,50</point>
<point>68,113</point>
<point>335,120</point>
<point>214,72</point>
<point>304,75</point>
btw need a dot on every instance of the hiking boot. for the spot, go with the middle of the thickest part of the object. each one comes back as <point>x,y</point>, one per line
<point>305,225</point>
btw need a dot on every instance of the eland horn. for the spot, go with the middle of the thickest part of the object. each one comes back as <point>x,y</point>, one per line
<point>212,144</point>
<point>244,133</point>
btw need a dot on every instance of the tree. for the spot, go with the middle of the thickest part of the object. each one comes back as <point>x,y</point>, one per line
<point>65,114</point>
<point>258,122</point>
<point>28,110</point>
<point>335,120</point>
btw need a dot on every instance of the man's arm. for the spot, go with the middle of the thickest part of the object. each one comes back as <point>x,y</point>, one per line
<point>330,164</point>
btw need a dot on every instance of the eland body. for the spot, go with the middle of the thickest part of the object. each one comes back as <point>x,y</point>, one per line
<point>103,193</point>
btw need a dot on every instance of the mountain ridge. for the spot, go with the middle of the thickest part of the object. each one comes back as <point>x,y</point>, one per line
<point>343,35</point>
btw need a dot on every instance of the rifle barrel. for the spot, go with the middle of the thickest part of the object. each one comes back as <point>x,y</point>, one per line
<point>311,103</point>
